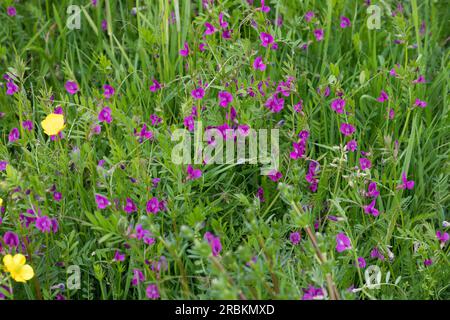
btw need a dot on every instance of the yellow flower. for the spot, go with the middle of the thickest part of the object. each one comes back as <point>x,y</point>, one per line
<point>53,124</point>
<point>1,202</point>
<point>16,266</point>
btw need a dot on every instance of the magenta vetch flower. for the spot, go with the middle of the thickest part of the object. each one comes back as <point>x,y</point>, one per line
<point>152,291</point>
<point>155,119</point>
<point>260,194</point>
<point>214,243</point>
<point>393,72</point>
<point>11,88</point>
<point>352,145</point>
<point>119,256</point>
<point>442,236</point>
<point>263,7</point>
<point>144,134</point>
<point>406,184</point>
<point>202,46</point>
<point>14,135</point>
<point>193,174</point>
<point>27,125</point>
<point>198,93</point>
<point>274,104</point>
<point>105,115</point>
<point>102,201</point>
<point>311,176</point>
<point>299,106</point>
<point>222,22</point>
<point>342,242</point>
<point>318,33</point>
<point>130,206</point>
<point>361,262</point>
<point>294,237</point>
<point>427,262</point>
<point>275,175</point>
<point>345,22</point>
<point>313,293</point>
<point>155,86</point>
<point>138,277</point>
<point>420,103</point>
<point>153,205</point>
<point>185,51</point>
<point>57,196</point>
<point>266,39</point>
<point>71,87</point>
<point>258,64</point>
<point>3,165</point>
<point>338,105</point>
<point>44,224</point>
<point>308,16</point>
<point>372,190</point>
<point>300,146</point>
<point>189,122</point>
<point>108,91</point>
<point>364,163</point>
<point>225,98</point>
<point>383,96</point>
<point>11,239</point>
<point>375,253</point>
<point>11,11</point>
<point>370,209</point>
<point>210,29</point>
<point>347,129</point>
<point>420,79</point>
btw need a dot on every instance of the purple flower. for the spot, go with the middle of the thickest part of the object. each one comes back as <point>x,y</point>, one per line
<point>375,253</point>
<point>44,224</point>
<point>427,262</point>
<point>193,174</point>
<point>275,175</point>
<point>129,207</point>
<point>299,106</point>
<point>11,88</point>
<point>71,87</point>
<point>420,79</point>
<point>383,97</point>
<point>260,194</point>
<point>153,205</point>
<point>266,39</point>
<point>372,190</point>
<point>223,23</point>
<point>14,135</point>
<point>365,163</point>
<point>105,115</point>
<point>119,256</point>
<point>152,291</point>
<point>342,242</point>
<point>214,243</point>
<point>352,145</point>
<point>258,64</point>
<point>420,103</point>
<point>185,51</point>
<point>138,277</point>
<point>442,236</point>
<point>347,129</point>
<point>294,237</point>
<point>155,119</point>
<point>361,262</point>
<point>11,11</point>
<point>274,104</point>
<point>198,93</point>
<point>308,16</point>
<point>189,122</point>
<point>370,209</point>
<point>210,29</point>
<point>57,196</point>
<point>263,7</point>
<point>338,105</point>
<point>313,293</point>
<point>108,91</point>
<point>11,239</point>
<point>318,33</point>
<point>28,125</point>
<point>3,165</point>
<point>345,22</point>
<point>155,86</point>
<point>406,184</point>
<point>225,98</point>
<point>102,201</point>
<point>104,25</point>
